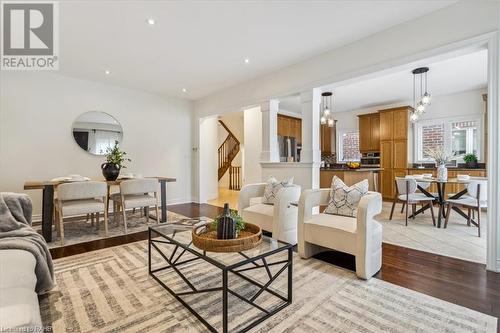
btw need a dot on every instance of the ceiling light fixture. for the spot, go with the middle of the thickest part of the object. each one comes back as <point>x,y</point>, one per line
<point>151,21</point>
<point>107,72</point>
<point>246,60</point>
<point>326,115</point>
<point>184,90</point>
<point>424,98</point>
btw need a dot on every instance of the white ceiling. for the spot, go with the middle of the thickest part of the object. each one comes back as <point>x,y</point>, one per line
<point>201,45</point>
<point>457,74</point>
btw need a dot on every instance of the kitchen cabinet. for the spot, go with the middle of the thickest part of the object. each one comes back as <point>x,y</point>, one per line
<point>400,154</point>
<point>369,132</point>
<point>393,148</point>
<point>385,126</point>
<point>326,139</point>
<point>290,126</point>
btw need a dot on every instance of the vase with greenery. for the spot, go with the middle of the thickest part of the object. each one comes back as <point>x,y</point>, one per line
<point>240,224</point>
<point>441,156</point>
<point>470,160</point>
<point>115,161</point>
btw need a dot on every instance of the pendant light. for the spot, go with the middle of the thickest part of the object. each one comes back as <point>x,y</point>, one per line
<point>424,97</point>
<point>326,114</point>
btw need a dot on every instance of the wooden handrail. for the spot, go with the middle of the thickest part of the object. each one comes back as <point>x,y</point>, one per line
<point>229,131</point>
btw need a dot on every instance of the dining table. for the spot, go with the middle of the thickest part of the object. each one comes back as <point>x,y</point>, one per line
<point>440,196</point>
<point>48,188</point>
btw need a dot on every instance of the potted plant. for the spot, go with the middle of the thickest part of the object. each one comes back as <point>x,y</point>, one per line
<point>470,160</point>
<point>441,157</point>
<point>115,159</point>
<point>240,224</point>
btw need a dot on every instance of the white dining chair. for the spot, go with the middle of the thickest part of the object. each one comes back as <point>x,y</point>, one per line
<point>81,198</point>
<point>475,199</point>
<point>406,189</point>
<point>137,193</point>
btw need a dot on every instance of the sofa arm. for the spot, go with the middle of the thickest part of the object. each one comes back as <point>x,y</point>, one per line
<point>250,191</point>
<point>285,214</point>
<point>367,259</point>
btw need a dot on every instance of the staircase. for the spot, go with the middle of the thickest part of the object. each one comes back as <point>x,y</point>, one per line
<point>227,151</point>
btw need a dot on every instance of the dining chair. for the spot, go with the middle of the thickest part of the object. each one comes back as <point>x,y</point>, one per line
<point>137,193</point>
<point>406,193</point>
<point>475,199</point>
<point>81,198</point>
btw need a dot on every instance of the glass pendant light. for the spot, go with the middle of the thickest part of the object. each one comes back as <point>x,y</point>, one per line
<point>426,99</point>
<point>421,99</point>
<point>420,108</point>
<point>413,117</point>
<point>323,120</point>
<point>330,122</point>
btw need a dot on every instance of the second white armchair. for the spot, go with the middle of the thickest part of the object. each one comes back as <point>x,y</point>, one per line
<point>279,218</point>
<point>360,236</point>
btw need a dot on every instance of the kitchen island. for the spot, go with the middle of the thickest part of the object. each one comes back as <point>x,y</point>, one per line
<point>350,176</point>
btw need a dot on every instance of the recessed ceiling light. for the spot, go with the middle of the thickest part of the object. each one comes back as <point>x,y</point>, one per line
<point>184,90</point>
<point>107,72</point>
<point>151,21</point>
<point>246,60</point>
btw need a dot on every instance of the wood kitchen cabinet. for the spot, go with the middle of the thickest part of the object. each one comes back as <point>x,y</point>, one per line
<point>393,148</point>
<point>290,126</point>
<point>326,139</point>
<point>369,132</point>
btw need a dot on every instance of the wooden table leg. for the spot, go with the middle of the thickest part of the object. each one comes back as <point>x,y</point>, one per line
<point>47,212</point>
<point>163,198</point>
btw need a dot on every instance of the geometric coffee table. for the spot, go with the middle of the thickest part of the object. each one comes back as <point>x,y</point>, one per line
<point>256,272</point>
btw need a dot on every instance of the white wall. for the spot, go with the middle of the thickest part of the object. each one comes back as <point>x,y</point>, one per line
<point>253,145</point>
<point>37,110</point>
<point>208,146</point>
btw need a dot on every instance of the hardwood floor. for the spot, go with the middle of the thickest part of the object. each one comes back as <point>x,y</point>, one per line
<point>457,281</point>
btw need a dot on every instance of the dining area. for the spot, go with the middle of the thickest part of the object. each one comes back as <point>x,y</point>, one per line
<point>90,199</point>
<point>115,203</point>
<point>443,216</point>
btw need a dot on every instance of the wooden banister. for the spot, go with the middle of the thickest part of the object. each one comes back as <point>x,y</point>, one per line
<point>227,151</point>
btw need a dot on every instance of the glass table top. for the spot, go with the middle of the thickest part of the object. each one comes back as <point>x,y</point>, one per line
<point>182,236</point>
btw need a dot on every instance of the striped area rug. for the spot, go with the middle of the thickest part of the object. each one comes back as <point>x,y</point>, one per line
<point>110,291</point>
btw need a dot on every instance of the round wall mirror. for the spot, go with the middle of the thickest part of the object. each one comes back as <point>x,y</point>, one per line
<point>97,131</point>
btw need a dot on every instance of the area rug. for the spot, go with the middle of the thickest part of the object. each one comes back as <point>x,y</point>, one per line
<point>110,291</point>
<point>81,230</point>
<point>458,240</point>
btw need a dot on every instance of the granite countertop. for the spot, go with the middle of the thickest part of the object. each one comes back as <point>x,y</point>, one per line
<point>352,170</point>
<point>449,168</point>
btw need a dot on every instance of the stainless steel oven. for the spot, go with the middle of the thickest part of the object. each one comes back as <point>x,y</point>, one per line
<point>370,159</point>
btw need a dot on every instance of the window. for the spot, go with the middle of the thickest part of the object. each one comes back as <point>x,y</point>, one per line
<point>348,145</point>
<point>458,135</point>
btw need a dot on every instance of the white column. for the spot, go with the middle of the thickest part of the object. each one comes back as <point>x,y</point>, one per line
<point>311,101</point>
<point>311,152</point>
<point>269,111</point>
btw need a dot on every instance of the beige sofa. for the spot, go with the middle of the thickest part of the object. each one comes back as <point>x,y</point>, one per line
<point>361,236</point>
<point>280,219</point>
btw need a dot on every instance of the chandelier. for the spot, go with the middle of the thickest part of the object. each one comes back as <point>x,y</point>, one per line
<point>421,97</point>
<point>326,113</point>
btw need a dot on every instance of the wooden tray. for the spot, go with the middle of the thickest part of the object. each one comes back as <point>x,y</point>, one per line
<point>207,240</point>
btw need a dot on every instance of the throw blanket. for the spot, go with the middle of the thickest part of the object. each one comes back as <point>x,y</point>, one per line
<point>16,233</point>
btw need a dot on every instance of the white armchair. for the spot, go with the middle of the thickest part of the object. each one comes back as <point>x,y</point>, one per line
<point>360,236</point>
<point>280,219</point>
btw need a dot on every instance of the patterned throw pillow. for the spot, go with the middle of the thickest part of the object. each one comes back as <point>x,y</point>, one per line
<point>344,200</point>
<point>272,188</point>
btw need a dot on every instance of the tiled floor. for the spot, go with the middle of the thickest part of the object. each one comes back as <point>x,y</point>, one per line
<point>457,240</point>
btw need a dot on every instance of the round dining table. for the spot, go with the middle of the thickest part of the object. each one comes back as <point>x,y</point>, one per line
<point>439,197</point>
